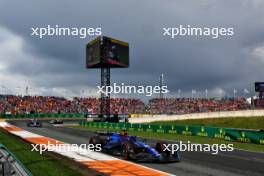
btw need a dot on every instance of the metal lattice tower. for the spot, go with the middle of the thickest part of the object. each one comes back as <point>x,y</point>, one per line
<point>161,84</point>
<point>105,97</point>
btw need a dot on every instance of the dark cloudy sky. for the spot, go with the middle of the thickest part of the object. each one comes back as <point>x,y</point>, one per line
<point>187,62</point>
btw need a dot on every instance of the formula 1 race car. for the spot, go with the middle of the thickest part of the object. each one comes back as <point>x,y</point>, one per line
<point>34,123</point>
<point>130,148</point>
<point>56,121</point>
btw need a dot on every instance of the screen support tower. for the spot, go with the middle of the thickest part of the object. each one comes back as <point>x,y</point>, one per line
<point>105,97</point>
<point>105,53</point>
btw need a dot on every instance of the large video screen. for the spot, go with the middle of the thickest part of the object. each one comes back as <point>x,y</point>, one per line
<point>259,86</point>
<point>93,53</point>
<point>107,52</point>
<point>116,53</point>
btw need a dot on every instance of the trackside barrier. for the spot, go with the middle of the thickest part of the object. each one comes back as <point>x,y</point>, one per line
<point>10,116</point>
<point>144,118</point>
<point>229,134</point>
<point>10,165</point>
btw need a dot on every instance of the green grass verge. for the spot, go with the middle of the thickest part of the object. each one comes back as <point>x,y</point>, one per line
<point>236,122</point>
<point>39,165</point>
<point>177,137</point>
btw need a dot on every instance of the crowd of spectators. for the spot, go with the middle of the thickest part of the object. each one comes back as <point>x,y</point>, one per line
<point>117,105</point>
<point>189,105</point>
<point>259,103</point>
<point>10,104</point>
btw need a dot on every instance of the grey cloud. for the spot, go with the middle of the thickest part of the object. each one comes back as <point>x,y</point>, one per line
<point>187,62</point>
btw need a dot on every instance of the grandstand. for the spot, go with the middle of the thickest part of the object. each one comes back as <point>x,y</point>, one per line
<point>191,105</point>
<point>11,104</point>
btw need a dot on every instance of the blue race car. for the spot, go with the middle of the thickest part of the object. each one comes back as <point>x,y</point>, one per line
<point>130,148</point>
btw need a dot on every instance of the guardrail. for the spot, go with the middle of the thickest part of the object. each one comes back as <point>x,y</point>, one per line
<point>229,134</point>
<point>10,165</point>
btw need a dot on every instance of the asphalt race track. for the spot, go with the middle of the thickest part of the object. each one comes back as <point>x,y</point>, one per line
<point>192,163</point>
